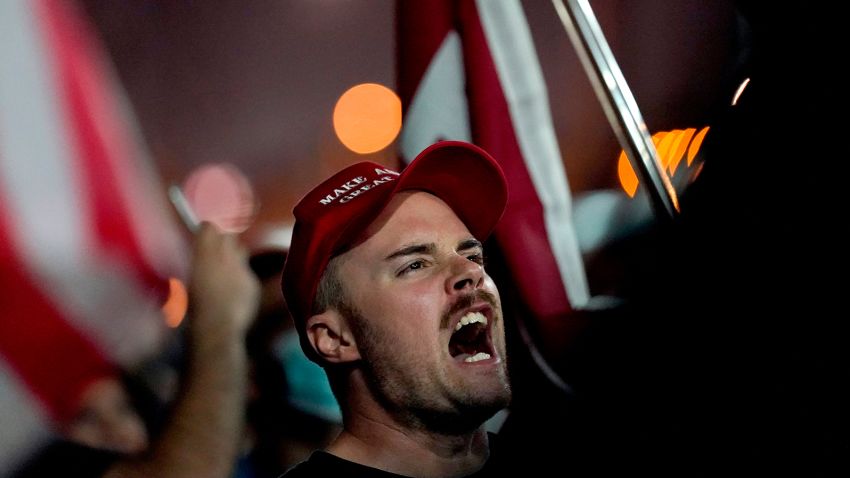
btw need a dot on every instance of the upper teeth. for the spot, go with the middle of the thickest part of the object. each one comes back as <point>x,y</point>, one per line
<point>471,318</point>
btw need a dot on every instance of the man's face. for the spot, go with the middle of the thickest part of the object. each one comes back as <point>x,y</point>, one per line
<point>426,317</point>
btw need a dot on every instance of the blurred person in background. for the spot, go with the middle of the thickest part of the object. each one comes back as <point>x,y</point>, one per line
<point>110,418</point>
<point>291,410</point>
<point>202,434</point>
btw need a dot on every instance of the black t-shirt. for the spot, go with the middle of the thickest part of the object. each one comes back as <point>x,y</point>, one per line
<point>323,464</point>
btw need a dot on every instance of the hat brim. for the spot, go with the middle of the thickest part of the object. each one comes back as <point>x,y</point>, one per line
<point>466,178</point>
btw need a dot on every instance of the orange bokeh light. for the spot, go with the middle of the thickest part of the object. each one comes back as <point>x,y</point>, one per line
<point>671,146</point>
<point>693,149</point>
<point>664,147</point>
<point>628,178</point>
<point>175,307</point>
<point>367,117</point>
<point>679,151</point>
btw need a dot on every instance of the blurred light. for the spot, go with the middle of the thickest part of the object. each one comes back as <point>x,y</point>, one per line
<point>367,117</point>
<point>664,147</point>
<point>693,149</point>
<point>678,151</point>
<point>221,194</point>
<point>628,178</point>
<point>175,307</point>
<point>671,147</point>
<point>740,90</point>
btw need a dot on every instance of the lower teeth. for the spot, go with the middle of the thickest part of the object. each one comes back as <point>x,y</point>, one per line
<point>477,357</point>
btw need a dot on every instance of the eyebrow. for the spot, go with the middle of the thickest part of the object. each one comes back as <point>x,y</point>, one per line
<point>412,249</point>
<point>431,248</point>
<point>470,244</point>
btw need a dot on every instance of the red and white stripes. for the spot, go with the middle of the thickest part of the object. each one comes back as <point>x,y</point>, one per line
<point>86,241</point>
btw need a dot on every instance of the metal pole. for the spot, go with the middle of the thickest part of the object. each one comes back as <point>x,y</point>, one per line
<point>617,101</point>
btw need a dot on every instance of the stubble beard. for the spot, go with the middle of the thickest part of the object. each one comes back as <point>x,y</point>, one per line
<point>409,396</point>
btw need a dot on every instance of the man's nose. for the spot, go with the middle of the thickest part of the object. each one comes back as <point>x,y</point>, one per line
<point>465,275</point>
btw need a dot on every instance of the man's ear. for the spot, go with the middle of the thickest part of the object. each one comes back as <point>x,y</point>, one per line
<point>331,337</point>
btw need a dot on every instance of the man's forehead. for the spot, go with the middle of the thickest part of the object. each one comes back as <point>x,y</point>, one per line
<point>411,217</point>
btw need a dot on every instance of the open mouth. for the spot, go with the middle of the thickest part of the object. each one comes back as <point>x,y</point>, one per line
<point>470,341</point>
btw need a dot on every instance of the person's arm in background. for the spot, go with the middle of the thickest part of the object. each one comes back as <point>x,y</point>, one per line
<point>203,434</point>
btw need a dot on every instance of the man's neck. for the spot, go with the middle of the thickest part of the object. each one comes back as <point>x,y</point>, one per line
<point>403,451</point>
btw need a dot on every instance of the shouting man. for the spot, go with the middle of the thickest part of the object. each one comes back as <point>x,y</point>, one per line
<point>385,279</point>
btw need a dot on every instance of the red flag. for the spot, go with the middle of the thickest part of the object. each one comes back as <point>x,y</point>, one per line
<point>86,239</point>
<point>469,71</point>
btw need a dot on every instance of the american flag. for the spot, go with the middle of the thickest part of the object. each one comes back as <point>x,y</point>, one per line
<point>468,70</point>
<point>87,241</point>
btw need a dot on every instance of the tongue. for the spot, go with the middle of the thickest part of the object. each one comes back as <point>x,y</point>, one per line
<point>461,350</point>
<point>464,341</point>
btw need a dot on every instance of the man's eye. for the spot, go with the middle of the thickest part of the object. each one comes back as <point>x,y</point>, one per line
<point>415,265</point>
<point>477,258</point>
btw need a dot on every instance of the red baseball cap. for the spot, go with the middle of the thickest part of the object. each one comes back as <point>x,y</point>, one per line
<point>334,214</point>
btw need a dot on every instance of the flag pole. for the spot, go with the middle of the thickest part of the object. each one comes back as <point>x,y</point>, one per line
<point>617,101</point>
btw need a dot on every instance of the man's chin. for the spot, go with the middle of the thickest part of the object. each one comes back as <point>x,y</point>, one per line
<point>471,414</point>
